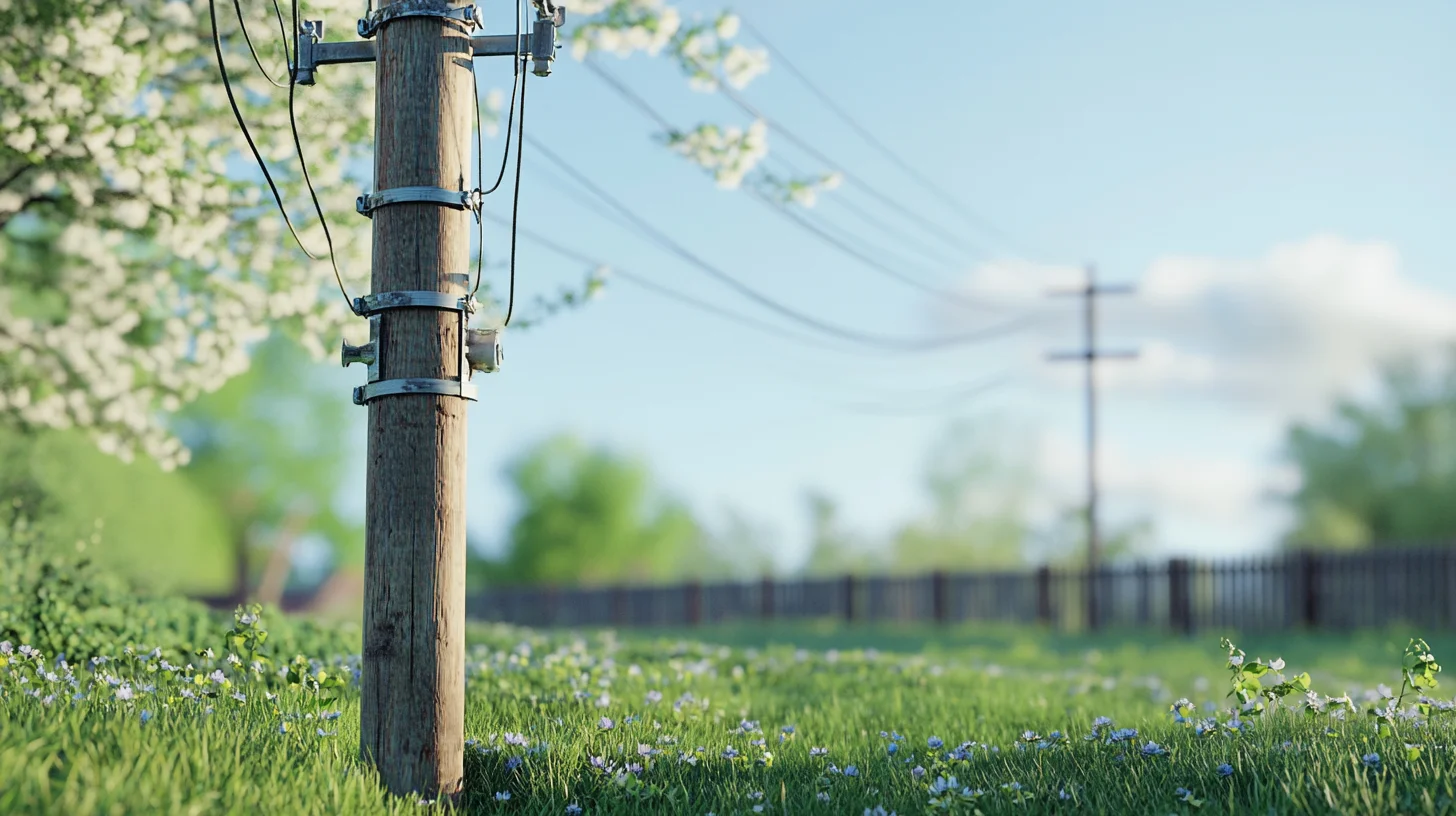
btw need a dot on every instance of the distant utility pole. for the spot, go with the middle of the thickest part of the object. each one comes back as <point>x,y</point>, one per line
<point>1089,355</point>
<point>420,357</point>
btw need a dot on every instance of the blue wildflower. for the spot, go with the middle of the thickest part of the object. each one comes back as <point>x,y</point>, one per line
<point>503,796</point>
<point>606,724</point>
<point>1153,749</point>
<point>852,770</point>
<point>1371,760</point>
<point>818,752</point>
<point>1225,770</point>
<point>917,772</point>
<point>935,742</point>
<point>573,809</point>
<point>730,752</point>
<point>146,716</point>
<point>892,748</point>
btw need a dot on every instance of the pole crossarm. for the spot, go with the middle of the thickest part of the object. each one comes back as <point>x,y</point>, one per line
<point>539,46</point>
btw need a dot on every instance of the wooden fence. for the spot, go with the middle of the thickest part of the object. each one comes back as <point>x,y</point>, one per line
<point>1300,590</point>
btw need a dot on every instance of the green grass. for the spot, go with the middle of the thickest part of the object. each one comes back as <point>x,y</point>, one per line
<point>984,686</point>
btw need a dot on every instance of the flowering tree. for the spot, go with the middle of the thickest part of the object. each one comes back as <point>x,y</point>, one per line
<point>141,259</point>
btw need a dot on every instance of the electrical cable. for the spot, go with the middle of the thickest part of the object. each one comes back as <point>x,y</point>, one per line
<point>974,218</point>
<point>303,165</point>
<point>662,240</point>
<point>798,219</point>
<point>243,26</point>
<point>516,71</point>
<point>247,134</point>
<point>906,212</point>
<point>516,200</point>
<point>665,291</point>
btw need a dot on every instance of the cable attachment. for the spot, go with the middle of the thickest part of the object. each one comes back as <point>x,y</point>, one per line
<point>366,204</point>
<point>480,349</point>
<point>550,16</point>
<point>469,15</point>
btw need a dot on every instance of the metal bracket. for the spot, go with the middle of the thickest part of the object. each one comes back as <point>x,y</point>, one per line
<point>458,199</point>
<point>549,17</point>
<point>538,45</point>
<point>469,15</point>
<point>479,348</point>
<point>370,305</point>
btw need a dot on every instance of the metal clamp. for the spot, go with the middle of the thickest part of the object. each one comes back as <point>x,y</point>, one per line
<point>370,305</point>
<point>366,204</point>
<point>479,348</point>
<point>415,385</point>
<point>469,15</point>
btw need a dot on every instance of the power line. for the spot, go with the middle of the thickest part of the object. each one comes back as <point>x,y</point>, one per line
<point>664,241</point>
<point>253,146</point>
<point>650,285</point>
<point>780,58</point>
<point>803,221</point>
<point>900,208</point>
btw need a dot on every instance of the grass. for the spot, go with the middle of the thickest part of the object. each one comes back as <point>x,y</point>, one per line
<point>536,703</point>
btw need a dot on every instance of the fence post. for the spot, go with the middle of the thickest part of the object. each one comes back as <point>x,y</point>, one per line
<point>766,598</point>
<point>693,602</point>
<point>939,597</point>
<point>849,593</point>
<point>1180,602</point>
<point>619,605</point>
<point>1145,593</point>
<point>1044,594</point>
<point>1309,611</point>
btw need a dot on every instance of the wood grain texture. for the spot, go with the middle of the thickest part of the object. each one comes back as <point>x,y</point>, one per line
<point>413,716</point>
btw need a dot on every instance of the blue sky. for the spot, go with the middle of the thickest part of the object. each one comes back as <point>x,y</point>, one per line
<point>1282,178</point>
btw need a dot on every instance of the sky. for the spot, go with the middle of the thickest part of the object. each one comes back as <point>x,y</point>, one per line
<point>1277,180</point>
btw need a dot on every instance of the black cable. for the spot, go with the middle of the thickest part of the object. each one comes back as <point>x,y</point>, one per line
<point>884,150</point>
<point>243,26</point>
<point>480,149</point>
<point>844,247</point>
<point>628,94</point>
<point>665,291</point>
<point>780,209</point>
<point>303,165</point>
<point>929,227</point>
<point>516,200</point>
<point>238,114</point>
<point>667,243</point>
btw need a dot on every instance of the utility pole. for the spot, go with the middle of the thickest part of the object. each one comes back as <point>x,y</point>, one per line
<point>420,357</point>
<point>1089,355</point>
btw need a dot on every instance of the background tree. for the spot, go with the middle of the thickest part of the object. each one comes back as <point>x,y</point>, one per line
<point>140,257</point>
<point>591,515</point>
<point>272,447</point>
<point>979,482</point>
<point>1382,472</point>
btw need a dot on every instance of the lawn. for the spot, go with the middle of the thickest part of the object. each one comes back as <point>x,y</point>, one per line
<point>807,719</point>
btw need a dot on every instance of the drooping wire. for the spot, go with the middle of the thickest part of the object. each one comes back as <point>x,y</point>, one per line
<point>924,181</point>
<point>653,286</point>
<point>516,71</point>
<point>800,220</point>
<point>303,164</point>
<point>516,200</point>
<point>243,26</point>
<point>660,238</point>
<point>247,134</point>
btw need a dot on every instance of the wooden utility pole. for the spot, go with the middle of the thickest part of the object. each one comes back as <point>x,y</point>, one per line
<point>412,715</point>
<point>1089,355</point>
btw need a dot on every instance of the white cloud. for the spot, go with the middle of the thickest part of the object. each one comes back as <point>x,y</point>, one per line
<point>1286,332</point>
<point>1248,343</point>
